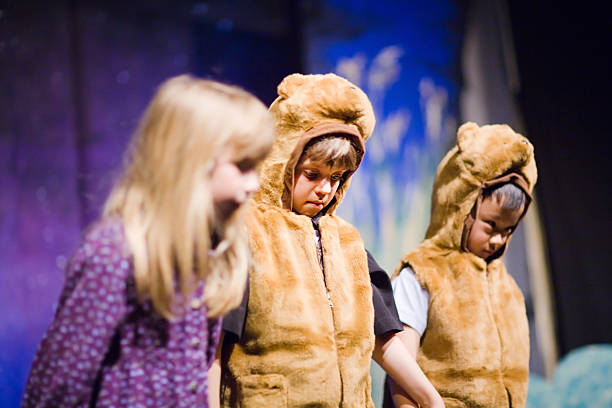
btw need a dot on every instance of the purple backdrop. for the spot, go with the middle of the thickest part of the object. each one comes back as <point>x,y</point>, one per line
<point>75,78</point>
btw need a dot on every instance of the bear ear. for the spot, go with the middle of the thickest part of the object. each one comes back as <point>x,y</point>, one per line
<point>290,84</point>
<point>465,135</point>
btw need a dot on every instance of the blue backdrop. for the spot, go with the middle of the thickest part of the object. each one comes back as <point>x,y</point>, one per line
<point>405,56</point>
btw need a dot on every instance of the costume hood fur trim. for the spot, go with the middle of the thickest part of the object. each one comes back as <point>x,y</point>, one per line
<point>310,106</point>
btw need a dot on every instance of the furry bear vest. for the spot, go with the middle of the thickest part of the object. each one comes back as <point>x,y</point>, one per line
<point>475,350</point>
<point>297,350</point>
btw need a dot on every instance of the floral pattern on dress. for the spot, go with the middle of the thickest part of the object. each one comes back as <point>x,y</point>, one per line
<point>105,348</point>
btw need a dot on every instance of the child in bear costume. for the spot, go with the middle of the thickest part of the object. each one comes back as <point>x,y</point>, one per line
<point>318,307</point>
<point>464,314</point>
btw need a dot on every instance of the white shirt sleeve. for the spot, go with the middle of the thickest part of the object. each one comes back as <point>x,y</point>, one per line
<point>411,299</point>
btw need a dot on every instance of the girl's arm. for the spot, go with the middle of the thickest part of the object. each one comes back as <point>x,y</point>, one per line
<point>396,354</point>
<point>92,305</point>
<point>214,377</point>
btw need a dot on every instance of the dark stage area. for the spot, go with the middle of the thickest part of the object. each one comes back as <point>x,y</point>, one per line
<point>564,59</point>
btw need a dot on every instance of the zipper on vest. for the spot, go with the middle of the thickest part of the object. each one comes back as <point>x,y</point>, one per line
<point>320,257</point>
<point>331,304</point>
<point>319,247</point>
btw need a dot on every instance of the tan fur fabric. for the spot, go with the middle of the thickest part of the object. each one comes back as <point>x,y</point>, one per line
<point>475,349</point>
<point>296,350</point>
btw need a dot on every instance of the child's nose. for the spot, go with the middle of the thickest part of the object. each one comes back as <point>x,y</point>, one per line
<point>497,239</point>
<point>324,187</point>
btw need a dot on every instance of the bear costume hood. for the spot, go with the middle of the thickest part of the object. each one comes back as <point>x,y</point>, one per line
<point>309,106</point>
<point>483,157</point>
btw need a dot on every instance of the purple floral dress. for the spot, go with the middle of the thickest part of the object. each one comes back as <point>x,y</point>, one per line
<point>106,349</point>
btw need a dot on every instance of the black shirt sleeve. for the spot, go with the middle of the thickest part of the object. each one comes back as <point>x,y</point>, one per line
<point>233,322</point>
<point>386,318</point>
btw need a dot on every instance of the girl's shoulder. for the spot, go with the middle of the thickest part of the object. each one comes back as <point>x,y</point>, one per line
<point>108,228</point>
<point>103,246</point>
<point>100,267</point>
<point>105,235</point>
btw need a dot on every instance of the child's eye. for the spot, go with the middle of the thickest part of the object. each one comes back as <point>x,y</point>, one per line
<point>489,225</point>
<point>336,177</point>
<point>311,175</point>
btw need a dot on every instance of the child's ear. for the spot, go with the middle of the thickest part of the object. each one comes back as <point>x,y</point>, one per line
<point>290,84</point>
<point>465,135</point>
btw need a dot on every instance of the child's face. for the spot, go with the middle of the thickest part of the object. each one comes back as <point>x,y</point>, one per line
<point>314,187</point>
<point>231,184</point>
<point>492,227</point>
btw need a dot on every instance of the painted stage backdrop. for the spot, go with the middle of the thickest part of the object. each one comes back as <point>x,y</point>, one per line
<point>75,78</point>
<point>405,57</point>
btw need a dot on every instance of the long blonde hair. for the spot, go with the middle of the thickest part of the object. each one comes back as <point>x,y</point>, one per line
<point>164,199</point>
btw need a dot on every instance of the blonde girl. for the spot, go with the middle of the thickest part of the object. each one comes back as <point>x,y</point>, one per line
<point>138,320</point>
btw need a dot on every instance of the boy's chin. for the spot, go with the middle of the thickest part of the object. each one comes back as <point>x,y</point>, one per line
<point>488,256</point>
<point>481,254</point>
<point>307,213</point>
<point>309,210</point>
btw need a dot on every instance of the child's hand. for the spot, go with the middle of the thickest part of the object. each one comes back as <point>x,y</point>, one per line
<point>396,354</point>
<point>401,399</point>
